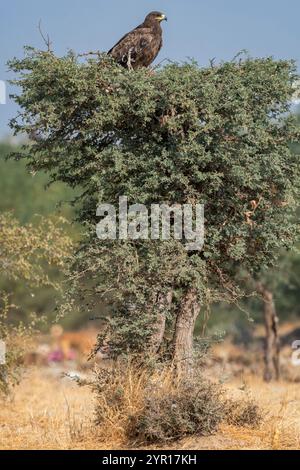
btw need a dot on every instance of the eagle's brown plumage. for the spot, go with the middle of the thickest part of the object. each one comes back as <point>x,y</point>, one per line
<point>141,46</point>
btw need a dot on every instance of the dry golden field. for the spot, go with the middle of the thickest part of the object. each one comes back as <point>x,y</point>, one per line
<point>48,411</point>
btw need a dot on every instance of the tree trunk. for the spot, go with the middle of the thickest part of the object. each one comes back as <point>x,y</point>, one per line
<point>272,344</point>
<point>183,340</point>
<point>163,302</point>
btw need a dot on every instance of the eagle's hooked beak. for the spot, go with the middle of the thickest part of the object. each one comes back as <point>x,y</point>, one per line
<point>162,18</point>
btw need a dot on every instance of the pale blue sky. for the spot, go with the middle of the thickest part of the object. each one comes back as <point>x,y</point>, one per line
<point>196,28</point>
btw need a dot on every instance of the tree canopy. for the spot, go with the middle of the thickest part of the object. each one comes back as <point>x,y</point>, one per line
<point>218,136</point>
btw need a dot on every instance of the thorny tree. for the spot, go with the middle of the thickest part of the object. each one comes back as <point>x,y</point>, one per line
<point>218,136</point>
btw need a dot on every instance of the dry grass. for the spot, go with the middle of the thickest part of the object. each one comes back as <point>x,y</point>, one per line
<point>48,412</point>
<point>118,396</point>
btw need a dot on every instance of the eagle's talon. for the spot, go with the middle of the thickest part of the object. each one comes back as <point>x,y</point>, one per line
<point>130,60</point>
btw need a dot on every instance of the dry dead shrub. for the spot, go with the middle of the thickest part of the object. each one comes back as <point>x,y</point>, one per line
<point>243,413</point>
<point>172,411</point>
<point>135,405</point>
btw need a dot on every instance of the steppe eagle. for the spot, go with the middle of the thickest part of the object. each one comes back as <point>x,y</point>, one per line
<point>141,46</point>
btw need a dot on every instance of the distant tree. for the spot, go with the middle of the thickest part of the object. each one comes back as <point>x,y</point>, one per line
<point>184,134</point>
<point>25,249</point>
<point>25,252</point>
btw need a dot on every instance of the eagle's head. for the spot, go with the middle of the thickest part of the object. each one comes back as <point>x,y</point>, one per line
<point>155,16</point>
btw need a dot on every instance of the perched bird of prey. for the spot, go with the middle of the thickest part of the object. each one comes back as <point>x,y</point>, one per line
<point>141,46</point>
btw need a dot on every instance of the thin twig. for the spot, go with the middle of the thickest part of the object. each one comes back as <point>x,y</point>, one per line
<point>212,62</point>
<point>162,61</point>
<point>85,54</point>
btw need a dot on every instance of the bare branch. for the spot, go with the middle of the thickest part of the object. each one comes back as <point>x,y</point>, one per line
<point>46,39</point>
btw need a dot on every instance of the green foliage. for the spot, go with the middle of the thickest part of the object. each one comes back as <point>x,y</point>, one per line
<point>218,136</point>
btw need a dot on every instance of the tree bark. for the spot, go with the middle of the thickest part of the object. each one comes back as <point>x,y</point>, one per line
<point>183,340</point>
<point>272,342</point>
<point>163,302</point>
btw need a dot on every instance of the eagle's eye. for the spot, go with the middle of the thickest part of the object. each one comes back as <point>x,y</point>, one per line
<point>162,17</point>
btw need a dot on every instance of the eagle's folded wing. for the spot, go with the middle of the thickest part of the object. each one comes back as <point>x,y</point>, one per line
<point>132,46</point>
